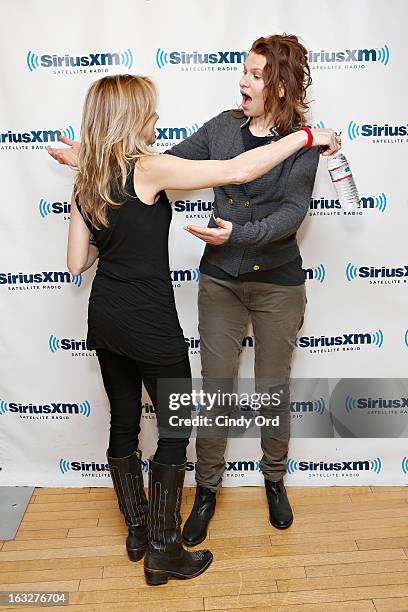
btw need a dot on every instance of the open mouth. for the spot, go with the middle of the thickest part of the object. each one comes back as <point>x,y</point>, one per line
<point>246,100</point>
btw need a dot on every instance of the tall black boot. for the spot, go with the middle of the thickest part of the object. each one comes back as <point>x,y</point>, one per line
<point>195,528</point>
<point>127,479</point>
<point>165,557</point>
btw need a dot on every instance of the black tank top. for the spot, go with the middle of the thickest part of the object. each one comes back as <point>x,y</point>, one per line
<point>131,309</point>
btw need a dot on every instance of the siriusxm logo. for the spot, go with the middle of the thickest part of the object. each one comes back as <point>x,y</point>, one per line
<point>371,272</point>
<point>318,273</point>
<point>373,465</point>
<point>36,136</point>
<point>66,344</point>
<point>55,409</point>
<point>46,60</point>
<point>370,202</point>
<point>347,56</point>
<point>356,130</point>
<point>33,280</point>
<point>181,276</point>
<point>57,208</point>
<point>243,466</point>
<point>344,340</point>
<point>175,133</point>
<point>312,407</point>
<point>167,136</point>
<point>87,469</point>
<point>198,206</point>
<point>222,59</point>
<point>369,403</point>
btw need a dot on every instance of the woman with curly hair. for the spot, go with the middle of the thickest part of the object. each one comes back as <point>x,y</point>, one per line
<point>251,267</point>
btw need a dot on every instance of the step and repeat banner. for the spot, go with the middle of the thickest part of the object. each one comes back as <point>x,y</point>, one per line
<point>349,405</point>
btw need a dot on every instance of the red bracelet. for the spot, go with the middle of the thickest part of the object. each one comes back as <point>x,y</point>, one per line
<point>309,137</point>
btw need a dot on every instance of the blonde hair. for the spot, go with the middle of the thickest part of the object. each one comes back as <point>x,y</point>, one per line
<point>115,112</point>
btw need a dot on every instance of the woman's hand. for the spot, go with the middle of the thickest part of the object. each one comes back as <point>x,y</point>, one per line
<point>67,157</point>
<point>327,140</point>
<point>212,235</point>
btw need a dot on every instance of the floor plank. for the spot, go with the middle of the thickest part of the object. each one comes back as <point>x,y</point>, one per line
<point>346,551</point>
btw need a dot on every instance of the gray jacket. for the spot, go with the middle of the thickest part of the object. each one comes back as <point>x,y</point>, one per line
<point>265,213</point>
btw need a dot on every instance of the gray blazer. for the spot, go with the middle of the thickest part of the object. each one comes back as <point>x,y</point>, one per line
<point>265,213</point>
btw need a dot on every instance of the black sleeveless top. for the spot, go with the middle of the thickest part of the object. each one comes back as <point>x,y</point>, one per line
<point>131,308</point>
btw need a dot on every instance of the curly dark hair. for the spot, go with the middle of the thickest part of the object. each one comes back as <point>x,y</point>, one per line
<point>286,63</point>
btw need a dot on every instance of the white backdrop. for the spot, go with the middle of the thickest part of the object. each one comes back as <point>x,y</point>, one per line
<point>53,409</point>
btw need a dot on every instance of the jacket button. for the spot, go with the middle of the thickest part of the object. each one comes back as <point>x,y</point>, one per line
<point>247,204</point>
<point>230,200</point>
<point>256,268</point>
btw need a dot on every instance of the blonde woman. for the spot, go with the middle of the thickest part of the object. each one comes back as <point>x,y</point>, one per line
<point>119,201</point>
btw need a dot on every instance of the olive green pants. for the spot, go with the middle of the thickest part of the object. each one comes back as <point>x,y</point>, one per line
<point>276,312</point>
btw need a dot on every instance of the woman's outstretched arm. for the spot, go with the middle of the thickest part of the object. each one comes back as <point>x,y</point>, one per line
<point>154,173</point>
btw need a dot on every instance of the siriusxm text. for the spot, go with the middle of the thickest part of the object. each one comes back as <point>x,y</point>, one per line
<point>345,55</point>
<point>39,277</point>
<point>369,402</point>
<point>92,59</point>
<point>326,203</point>
<point>51,408</point>
<point>338,466</point>
<point>188,206</point>
<point>343,340</point>
<point>31,136</point>
<point>383,272</point>
<point>219,57</point>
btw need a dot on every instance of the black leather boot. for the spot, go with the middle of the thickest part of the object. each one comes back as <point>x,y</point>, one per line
<point>165,557</point>
<point>127,480</point>
<point>195,528</point>
<point>280,511</point>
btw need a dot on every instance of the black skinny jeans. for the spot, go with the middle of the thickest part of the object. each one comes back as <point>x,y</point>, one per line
<point>122,379</point>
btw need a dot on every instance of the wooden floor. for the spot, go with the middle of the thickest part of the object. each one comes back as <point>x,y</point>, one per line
<point>346,550</point>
